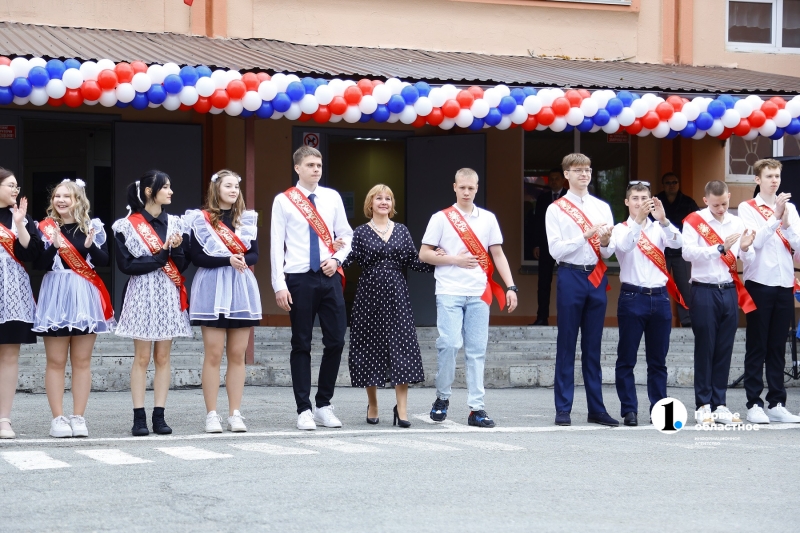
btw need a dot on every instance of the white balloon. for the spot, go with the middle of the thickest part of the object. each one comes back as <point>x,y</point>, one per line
<point>464,118</point>
<point>559,124</point>
<point>661,131</point>
<point>94,102</point>
<point>699,135</point>
<point>505,123</point>
<point>447,124</point>
<point>394,85</point>
<point>171,103</point>
<point>40,62</point>
<point>519,115</point>
<point>532,104</point>
<point>595,129</point>
<point>337,86</point>
<point>151,104</point>
<point>335,118</point>
<point>394,117</point>
<point>368,104</point>
<point>280,81</point>
<point>450,91</point>
<point>601,97</point>
<point>108,98</point>
<point>308,104</point>
<point>716,128</point>
<point>291,78</point>
<point>540,127</point>
<point>503,90</point>
<point>626,116</point>
<point>350,83</point>
<point>639,108</point>
<point>743,107</point>
<point>21,67</point>
<point>323,94</point>
<point>20,100</point>
<point>750,135</point>
<point>611,126</point>
<point>73,79</point>
<point>423,106</point>
<point>38,96</point>
<point>89,71</point>
<point>701,103</point>
<point>205,87</point>
<point>556,92</point>
<point>731,118</point>
<point>252,101</point>
<point>678,121</point>
<point>479,108</point>
<point>589,107</point>
<point>382,94</point>
<point>768,128</point>
<point>156,73</point>
<point>125,92</point>
<point>793,107</point>
<point>408,115</point>
<point>141,82</point>
<point>220,78</point>
<point>106,64</point>
<point>575,116</point>
<point>293,113</point>
<point>56,89</point>
<point>232,75</point>
<point>546,96</point>
<point>492,97</point>
<point>234,108</point>
<point>189,96</point>
<point>755,101</point>
<point>217,111</point>
<point>690,110</point>
<point>169,68</point>
<point>782,118</point>
<point>6,75</point>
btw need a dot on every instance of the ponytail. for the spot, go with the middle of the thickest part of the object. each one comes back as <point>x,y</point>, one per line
<point>137,196</point>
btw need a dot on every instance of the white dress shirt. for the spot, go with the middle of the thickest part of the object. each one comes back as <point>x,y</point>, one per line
<point>452,279</point>
<point>290,237</point>
<point>707,265</point>
<point>772,263</point>
<point>565,237</point>
<point>635,267</point>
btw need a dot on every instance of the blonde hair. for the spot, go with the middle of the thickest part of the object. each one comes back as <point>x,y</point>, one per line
<point>212,200</point>
<point>575,160</point>
<point>466,173</point>
<point>79,209</point>
<point>762,164</point>
<point>373,192</point>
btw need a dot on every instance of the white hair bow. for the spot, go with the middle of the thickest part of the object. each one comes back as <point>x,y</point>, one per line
<point>138,196</point>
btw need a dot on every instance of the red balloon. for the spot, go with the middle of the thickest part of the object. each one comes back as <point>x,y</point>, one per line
<point>684,100</point>
<point>6,61</point>
<point>778,101</point>
<point>203,104</point>
<point>55,102</point>
<point>138,66</point>
<point>435,117</point>
<point>513,125</point>
<point>574,98</point>
<point>107,80</point>
<point>546,116</point>
<point>322,114</point>
<point>73,98</point>
<point>743,128</point>
<point>304,117</point>
<point>451,109</point>
<point>250,81</point>
<point>561,106</point>
<point>375,83</point>
<point>124,72</point>
<point>664,110</point>
<point>184,107</point>
<point>419,122</point>
<point>757,118</point>
<point>530,124</point>
<point>769,109</point>
<point>91,90</point>
<point>465,99</point>
<point>220,99</point>
<point>676,102</point>
<point>725,134</point>
<point>338,105</point>
<point>650,120</point>
<point>634,128</point>
<point>263,76</point>
<point>365,85</point>
<point>353,95</point>
<point>476,91</point>
<point>235,90</point>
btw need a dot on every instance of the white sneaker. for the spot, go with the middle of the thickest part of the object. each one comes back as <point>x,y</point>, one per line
<point>60,427</point>
<point>236,422</point>
<point>724,416</point>
<point>324,416</point>
<point>213,423</point>
<point>756,415</point>
<point>78,425</point>
<point>780,414</point>
<point>703,415</point>
<point>305,420</point>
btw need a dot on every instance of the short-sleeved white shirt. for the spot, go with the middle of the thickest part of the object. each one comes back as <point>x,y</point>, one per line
<point>451,279</point>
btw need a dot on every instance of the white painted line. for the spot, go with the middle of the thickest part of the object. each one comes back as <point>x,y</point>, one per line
<point>425,417</point>
<point>33,460</point>
<point>480,444</point>
<point>339,445</point>
<point>412,444</point>
<point>113,457</point>
<point>272,449</point>
<point>190,453</point>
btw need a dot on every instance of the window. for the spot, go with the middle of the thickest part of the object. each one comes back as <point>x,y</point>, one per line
<point>742,155</point>
<point>763,25</point>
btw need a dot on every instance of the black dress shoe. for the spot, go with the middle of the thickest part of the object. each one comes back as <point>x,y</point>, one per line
<point>562,418</point>
<point>372,421</point>
<point>631,419</point>
<point>540,322</point>
<point>603,419</point>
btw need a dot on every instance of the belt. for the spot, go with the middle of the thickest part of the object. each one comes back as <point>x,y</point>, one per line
<point>584,268</point>
<point>720,286</point>
<point>643,290</point>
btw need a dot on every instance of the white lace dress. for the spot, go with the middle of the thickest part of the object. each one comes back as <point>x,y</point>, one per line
<point>16,297</point>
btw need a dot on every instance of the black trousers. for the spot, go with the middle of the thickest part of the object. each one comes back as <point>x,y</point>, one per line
<point>715,315</point>
<point>546,266</point>
<point>315,294</point>
<point>767,330</point>
<point>681,272</point>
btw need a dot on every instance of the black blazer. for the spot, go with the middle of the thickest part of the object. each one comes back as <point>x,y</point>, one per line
<point>535,224</point>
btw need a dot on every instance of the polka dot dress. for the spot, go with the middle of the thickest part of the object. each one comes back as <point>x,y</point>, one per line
<point>383,340</point>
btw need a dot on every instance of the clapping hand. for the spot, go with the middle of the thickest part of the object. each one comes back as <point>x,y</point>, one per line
<point>658,210</point>
<point>238,262</point>
<point>731,239</point>
<point>747,239</point>
<point>18,212</point>
<point>89,239</point>
<point>597,229</point>
<point>780,205</point>
<point>58,239</point>
<point>173,242</point>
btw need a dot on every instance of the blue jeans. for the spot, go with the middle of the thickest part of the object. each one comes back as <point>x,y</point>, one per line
<point>462,320</point>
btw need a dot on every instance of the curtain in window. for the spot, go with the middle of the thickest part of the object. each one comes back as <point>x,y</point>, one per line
<point>750,22</point>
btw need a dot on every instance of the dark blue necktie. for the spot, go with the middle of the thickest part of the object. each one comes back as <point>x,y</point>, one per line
<point>313,242</point>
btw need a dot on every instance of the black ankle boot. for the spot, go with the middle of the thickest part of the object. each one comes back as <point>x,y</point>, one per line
<point>159,425</point>
<point>139,428</point>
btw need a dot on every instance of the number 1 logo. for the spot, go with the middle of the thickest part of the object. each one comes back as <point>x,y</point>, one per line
<point>669,415</point>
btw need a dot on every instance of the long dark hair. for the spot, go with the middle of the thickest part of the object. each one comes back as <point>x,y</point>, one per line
<point>137,197</point>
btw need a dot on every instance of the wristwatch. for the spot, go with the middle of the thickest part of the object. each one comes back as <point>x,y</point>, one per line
<point>338,263</point>
<point>721,249</point>
<point>512,288</point>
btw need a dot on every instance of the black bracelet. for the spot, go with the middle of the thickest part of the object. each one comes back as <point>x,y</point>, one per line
<point>512,288</point>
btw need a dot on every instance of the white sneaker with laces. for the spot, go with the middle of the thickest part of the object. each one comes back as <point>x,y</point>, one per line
<point>780,414</point>
<point>60,427</point>
<point>703,415</point>
<point>305,420</point>
<point>236,422</point>
<point>78,425</point>
<point>324,416</point>
<point>213,423</point>
<point>724,416</point>
<point>756,415</point>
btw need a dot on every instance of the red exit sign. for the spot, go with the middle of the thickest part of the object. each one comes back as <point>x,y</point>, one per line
<point>8,132</point>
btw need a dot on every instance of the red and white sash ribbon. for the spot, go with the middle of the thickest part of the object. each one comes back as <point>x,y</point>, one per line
<point>596,277</point>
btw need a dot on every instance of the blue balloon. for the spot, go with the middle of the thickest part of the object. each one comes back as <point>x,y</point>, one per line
<point>410,94</point>
<point>636,96</point>
<point>672,134</point>
<point>265,111</point>
<point>507,105</point>
<point>38,76</point>
<point>529,91</point>
<point>794,127</point>
<point>72,63</point>
<point>122,105</point>
<point>586,125</point>
<point>777,135</point>
<point>518,95</point>
<point>246,113</point>
<point>716,109</point>
<point>625,97</point>
<point>396,103</point>
<point>494,117</point>
<point>156,94</point>
<point>690,130</point>
<point>477,124</point>
<point>140,101</point>
<point>381,113</point>
<point>295,91</point>
<point>55,68</point>
<point>704,121</point>
<point>615,107</point>
<point>21,87</point>
<point>189,76</point>
<point>569,128</point>
<point>6,96</point>
<point>601,118</point>
<point>173,84</point>
<point>322,81</point>
<point>365,117</point>
<point>423,88</point>
<point>727,99</point>
<point>203,71</point>
<point>281,103</point>
<point>310,84</point>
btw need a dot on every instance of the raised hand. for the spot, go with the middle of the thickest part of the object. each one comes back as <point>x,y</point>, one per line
<point>644,211</point>
<point>58,240</point>
<point>658,211</point>
<point>747,239</point>
<point>18,212</point>
<point>89,238</point>
<point>780,204</point>
<point>731,240</point>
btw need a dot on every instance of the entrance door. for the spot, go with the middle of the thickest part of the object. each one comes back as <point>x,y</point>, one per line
<point>431,165</point>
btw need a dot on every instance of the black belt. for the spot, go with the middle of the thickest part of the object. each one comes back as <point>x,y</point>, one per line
<point>584,268</point>
<point>643,290</point>
<point>720,286</point>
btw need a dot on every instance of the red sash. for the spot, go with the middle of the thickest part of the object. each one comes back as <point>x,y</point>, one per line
<point>78,264</point>
<point>311,215</point>
<point>766,212</point>
<point>654,254</point>
<point>475,247</point>
<point>596,277</point>
<point>154,243</point>
<point>713,239</point>
<point>7,239</point>
<point>228,237</point>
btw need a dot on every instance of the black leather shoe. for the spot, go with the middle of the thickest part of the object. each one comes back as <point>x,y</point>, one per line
<point>603,419</point>
<point>563,419</point>
<point>159,425</point>
<point>372,421</point>
<point>631,419</point>
<point>540,322</point>
<point>139,428</point>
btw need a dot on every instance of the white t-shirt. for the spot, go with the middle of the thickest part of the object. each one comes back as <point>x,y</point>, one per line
<point>451,279</point>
